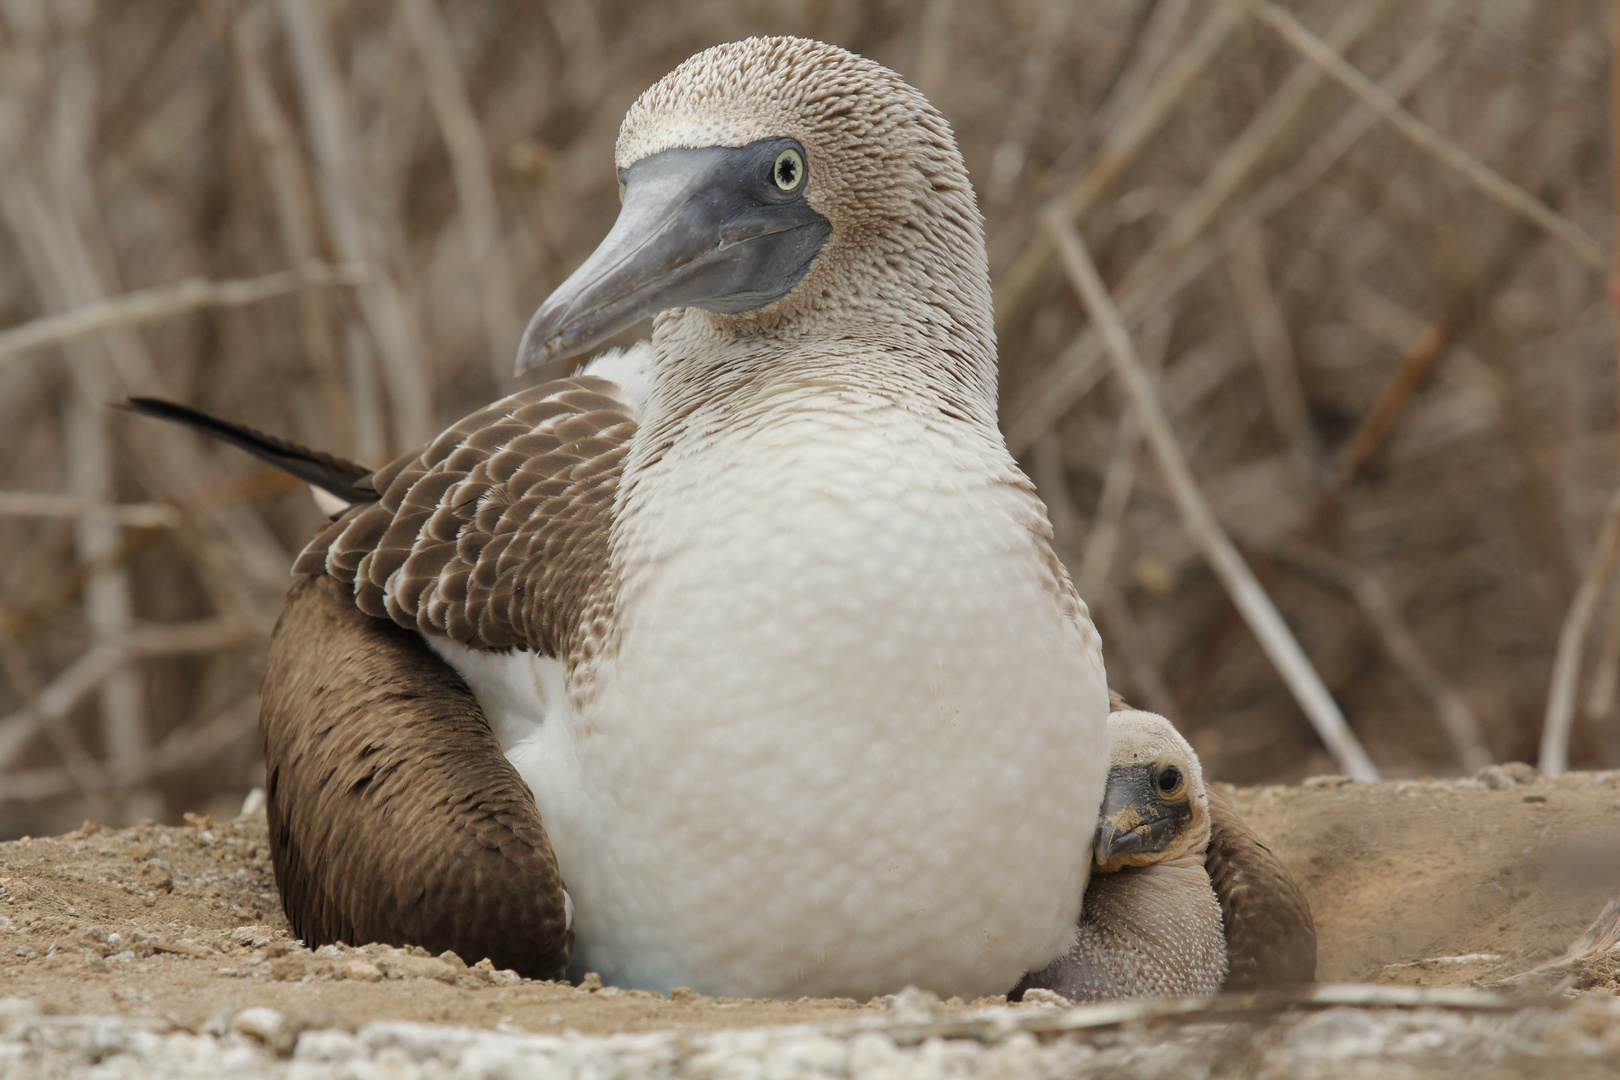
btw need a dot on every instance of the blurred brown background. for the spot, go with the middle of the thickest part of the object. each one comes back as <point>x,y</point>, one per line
<point>1387,350</point>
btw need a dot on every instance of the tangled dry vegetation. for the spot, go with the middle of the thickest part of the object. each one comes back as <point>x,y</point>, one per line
<point>1372,289</point>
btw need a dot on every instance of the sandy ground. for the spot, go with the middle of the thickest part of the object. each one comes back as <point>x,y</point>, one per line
<point>1463,883</point>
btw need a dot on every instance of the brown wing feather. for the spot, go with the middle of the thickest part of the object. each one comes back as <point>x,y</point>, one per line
<point>495,535</point>
<point>1270,937</point>
<point>394,816</point>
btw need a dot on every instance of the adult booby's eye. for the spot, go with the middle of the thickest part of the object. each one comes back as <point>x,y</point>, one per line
<point>788,170</point>
<point>1169,781</point>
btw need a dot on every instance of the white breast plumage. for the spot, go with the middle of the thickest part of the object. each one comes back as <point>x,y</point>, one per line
<point>808,766</point>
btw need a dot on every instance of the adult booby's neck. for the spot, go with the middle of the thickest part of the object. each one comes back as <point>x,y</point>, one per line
<point>703,382</point>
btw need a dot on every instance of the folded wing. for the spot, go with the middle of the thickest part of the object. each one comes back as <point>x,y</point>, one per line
<point>1270,936</point>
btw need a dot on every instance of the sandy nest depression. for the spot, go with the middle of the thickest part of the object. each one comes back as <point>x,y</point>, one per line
<point>126,951</point>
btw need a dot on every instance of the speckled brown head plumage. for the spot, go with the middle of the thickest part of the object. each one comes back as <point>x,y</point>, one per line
<point>906,259</point>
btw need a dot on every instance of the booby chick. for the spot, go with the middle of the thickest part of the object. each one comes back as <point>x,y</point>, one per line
<point>1151,922</point>
<point>779,643</point>
<point>1184,897</point>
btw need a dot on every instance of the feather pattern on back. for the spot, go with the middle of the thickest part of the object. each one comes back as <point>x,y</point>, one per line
<point>495,535</point>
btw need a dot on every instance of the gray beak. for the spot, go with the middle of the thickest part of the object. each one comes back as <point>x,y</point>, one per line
<point>709,228</point>
<point>1135,819</point>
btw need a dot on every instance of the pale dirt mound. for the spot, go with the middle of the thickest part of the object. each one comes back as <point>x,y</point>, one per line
<point>1445,882</point>
<point>1441,883</point>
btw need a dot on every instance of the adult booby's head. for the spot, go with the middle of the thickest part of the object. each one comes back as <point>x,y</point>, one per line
<point>1155,808</point>
<point>785,187</point>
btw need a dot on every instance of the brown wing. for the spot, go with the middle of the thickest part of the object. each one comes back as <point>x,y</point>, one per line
<point>495,535</point>
<point>1270,937</point>
<point>394,816</point>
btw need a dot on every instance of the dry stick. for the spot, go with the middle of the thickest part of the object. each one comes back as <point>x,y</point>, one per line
<point>167,301</point>
<point>242,562</point>
<point>182,749</point>
<point>1052,395</point>
<point>286,174</point>
<point>57,699</point>
<point>1126,144</point>
<point>1571,640</point>
<point>1422,350</point>
<point>1120,478</point>
<point>1600,704</point>
<point>1124,636</point>
<point>43,504</point>
<point>106,601</point>
<point>1159,31</point>
<point>1273,349</point>
<point>1034,79</point>
<point>1600,701</point>
<point>1489,182</point>
<point>390,319</point>
<point>1421,354</point>
<point>109,608</point>
<point>469,162</point>
<point>1457,718</point>
<point>933,55</point>
<point>1079,368</point>
<point>85,674</point>
<point>1268,626</point>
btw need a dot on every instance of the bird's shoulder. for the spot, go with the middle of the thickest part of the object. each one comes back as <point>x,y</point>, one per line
<point>496,534</point>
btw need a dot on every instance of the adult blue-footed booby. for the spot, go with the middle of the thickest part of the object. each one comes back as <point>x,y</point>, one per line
<point>778,640</point>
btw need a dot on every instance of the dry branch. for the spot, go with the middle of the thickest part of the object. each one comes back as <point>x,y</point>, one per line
<point>182,750</point>
<point>1492,184</point>
<point>1144,284</point>
<point>1119,480</point>
<point>167,301</point>
<point>1124,147</point>
<point>1422,352</point>
<point>109,609</point>
<point>1554,760</point>
<point>64,692</point>
<point>1273,349</point>
<point>286,172</point>
<point>1125,640</point>
<point>469,160</point>
<point>44,504</point>
<point>1080,366</point>
<point>1268,626</point>
<point>235,551</point>
<point>1457,718</point>
<point>390,319</point>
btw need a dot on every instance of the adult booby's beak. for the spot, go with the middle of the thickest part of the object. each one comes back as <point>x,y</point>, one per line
<point>1135,819</point>
<point>710,228</point>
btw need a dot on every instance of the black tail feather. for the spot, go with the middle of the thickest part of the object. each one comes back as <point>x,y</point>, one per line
<point>343,478</point>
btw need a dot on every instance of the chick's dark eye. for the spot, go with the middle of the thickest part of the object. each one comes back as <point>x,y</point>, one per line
<point>1169,779</point>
